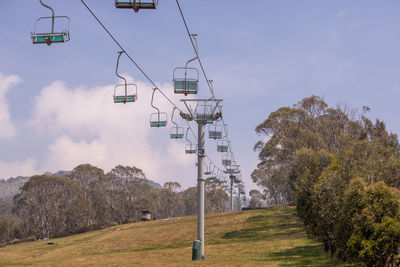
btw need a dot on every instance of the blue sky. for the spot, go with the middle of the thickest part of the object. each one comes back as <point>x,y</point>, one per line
<point>56,107</point>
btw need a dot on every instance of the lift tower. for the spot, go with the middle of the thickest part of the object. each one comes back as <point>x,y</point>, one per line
<point>232,170</point>
<point>203,111</point>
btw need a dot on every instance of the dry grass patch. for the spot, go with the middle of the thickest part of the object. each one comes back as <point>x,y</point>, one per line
<point>253,238</point>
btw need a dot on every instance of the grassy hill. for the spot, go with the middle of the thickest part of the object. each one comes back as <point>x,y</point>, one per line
<point>251,238</point>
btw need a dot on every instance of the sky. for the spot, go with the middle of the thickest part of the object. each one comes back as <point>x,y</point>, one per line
<point>56,108</point>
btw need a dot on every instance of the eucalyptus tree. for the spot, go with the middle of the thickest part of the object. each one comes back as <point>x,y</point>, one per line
<point>94,184</point>
<point>126,193</point>
<point>310,124</point>
<point>216,197</point>
<point>256,199</point>
<point>52,205</point>
<point>190,200</point>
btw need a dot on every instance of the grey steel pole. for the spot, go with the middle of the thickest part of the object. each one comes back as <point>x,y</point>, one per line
<point>231,193</point>
<point>200,187</point>
<point>239,204</point>
<point>52,15</point>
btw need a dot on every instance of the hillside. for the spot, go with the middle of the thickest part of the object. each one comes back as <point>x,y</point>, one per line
<point>10,187</point>
<point>252,238</point>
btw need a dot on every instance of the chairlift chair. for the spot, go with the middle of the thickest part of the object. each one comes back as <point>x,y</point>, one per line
<point>136,5</point>
<point>213,175</point>
<point>52,36</point>
<point>227,159</point>
<point>222,145</point>
<point>175,132</point>
<point>220,178</point>
<point>215,131</point>
<point>208,169</point>
<point>189,84</point>
<point>203,113</point>
<point>190,148</point>
<point>158,119</point>
<point>185,79</point>
<point>124,92</point>
<point>232,169</point>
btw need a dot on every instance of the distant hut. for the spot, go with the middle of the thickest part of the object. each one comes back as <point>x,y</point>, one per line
<point>146,215</point>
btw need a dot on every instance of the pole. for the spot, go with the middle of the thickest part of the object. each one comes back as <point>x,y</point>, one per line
<point>52,15</point>
<point>231,193</point>
<point>239,203</point>
<point>200,187</point>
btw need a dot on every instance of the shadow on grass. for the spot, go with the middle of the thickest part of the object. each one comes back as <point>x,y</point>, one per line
<point>267,226</point>
<point>131,250</point>
<point>278,226</point>
<point>311,255</point>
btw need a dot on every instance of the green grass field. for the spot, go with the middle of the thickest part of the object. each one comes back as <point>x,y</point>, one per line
<point>272,237</point>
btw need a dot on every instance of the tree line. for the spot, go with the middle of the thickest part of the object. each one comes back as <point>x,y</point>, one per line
<point>342,171</point>
<point>88,199</point>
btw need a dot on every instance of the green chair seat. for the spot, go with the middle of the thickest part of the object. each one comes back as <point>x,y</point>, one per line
<point>135,5</point>
<point>176,136</point>
<point>188,86</point>
<point>158,123</point>
<point>150,5</point>
<point>48,38</point>
<point>232,171</point>
<point>226,162</point>
<point>215,134</point>
<point>222,148</point>
<point>124,99</point>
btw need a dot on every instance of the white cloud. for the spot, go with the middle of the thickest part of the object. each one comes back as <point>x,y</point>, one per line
<point>64,153</point>
<point>90,128</point>
<point>17,168</point>
<point>7,129</point>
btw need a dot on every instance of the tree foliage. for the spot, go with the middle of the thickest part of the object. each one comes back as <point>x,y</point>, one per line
<point>308,125</point>
<point>52,205</point>
<point>256,199</point>
<point>216,197</point>
<point>88,198</point>
<point>342,173</point>
<point>10,229</point>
